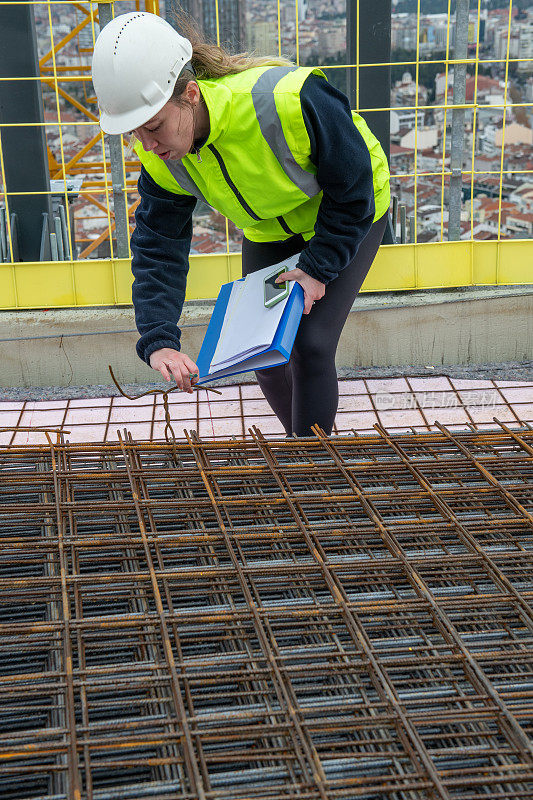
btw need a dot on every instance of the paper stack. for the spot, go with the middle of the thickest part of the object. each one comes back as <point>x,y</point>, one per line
<point>243,335</point>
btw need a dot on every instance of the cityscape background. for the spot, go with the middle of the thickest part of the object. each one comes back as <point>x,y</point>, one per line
<point>497,197</point>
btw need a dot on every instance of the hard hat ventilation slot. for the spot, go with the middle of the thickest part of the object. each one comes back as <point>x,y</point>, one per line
<point>136,16</point>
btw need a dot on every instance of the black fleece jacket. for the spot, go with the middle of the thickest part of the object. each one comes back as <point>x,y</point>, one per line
<point>161,241</point>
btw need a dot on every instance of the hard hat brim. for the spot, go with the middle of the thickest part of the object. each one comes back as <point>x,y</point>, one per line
<point>124,123</point>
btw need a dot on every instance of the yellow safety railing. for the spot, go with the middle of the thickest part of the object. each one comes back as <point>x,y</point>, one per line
<point>94,275</point>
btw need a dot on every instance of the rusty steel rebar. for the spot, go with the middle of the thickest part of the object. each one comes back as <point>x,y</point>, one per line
<point>330,617</point>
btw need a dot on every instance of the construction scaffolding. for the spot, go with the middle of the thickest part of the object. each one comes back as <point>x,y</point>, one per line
<point>84,257</point>
<point>304,618</point>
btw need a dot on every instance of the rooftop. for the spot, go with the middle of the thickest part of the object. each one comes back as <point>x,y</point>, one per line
<point>192,605</point>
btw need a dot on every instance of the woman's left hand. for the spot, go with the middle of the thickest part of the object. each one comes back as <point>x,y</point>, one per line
<point>313,289</point>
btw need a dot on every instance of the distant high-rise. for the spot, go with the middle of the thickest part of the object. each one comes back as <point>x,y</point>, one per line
<point>231,20</point>
<point>262,37</point>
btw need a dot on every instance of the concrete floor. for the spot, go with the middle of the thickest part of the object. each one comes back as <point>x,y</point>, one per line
<point>399,404</point>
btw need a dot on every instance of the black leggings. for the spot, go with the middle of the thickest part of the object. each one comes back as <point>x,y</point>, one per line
<point>305,391</point>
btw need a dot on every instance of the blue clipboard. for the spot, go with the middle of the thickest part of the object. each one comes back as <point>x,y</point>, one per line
<point>278,352</point>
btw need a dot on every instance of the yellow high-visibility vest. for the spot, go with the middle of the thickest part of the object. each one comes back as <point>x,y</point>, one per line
<point>255,166</point>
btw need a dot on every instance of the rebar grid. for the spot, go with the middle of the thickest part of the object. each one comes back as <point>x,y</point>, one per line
<point>307,618</point>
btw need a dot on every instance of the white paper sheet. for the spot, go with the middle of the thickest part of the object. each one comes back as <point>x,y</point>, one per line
<point>248,326</point>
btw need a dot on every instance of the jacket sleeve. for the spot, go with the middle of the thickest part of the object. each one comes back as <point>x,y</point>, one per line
<point>344,173</point>
<point>160,246</point>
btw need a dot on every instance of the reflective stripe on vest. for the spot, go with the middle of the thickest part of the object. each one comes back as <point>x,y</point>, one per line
<point>272,129</point>
<point>184,179</point>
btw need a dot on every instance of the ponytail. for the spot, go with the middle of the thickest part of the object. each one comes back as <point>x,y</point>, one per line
<point>211,61</point>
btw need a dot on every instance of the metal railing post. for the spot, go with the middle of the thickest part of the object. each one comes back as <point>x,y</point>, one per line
<point>403,224</point>
<point>116,155</point>
<point>460,51</point>
<point>26,178</point>
<point>372,90</point>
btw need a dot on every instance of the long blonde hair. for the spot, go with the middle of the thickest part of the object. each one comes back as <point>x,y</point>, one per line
<point>210,60</point>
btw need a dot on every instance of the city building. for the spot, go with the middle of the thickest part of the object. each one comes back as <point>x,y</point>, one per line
<point>231,20</point>
<point>513,134</point>
<point>525,46</point>
<point>405,120</point>
<point>262,37</point>
<point>422,138</point>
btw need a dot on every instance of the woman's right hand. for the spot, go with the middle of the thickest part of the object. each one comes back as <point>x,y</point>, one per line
<point>172,362</point>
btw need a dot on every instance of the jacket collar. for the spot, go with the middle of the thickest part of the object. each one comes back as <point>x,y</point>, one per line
<point>217,98</point>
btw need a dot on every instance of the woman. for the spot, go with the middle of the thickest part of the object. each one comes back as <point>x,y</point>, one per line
<point>275,149</point>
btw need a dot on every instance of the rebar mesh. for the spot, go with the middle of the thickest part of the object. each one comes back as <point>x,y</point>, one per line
<point>308,618</point>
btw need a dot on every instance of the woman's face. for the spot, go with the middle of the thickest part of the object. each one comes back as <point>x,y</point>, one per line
<point>170,133</point>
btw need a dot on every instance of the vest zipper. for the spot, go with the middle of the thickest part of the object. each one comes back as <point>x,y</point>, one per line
<point>230,183</point>
<point>284,225</point>
<point>238,195</point>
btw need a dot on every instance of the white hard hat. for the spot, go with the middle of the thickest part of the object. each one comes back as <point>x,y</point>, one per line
<point>137,58</point>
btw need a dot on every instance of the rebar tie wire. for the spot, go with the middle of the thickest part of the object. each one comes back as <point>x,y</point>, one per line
<point>170,436</point>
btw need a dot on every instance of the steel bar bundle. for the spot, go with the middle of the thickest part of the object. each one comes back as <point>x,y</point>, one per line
<point>318,618</point>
